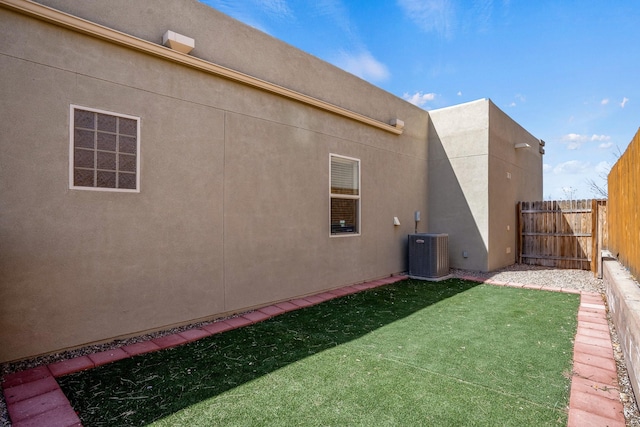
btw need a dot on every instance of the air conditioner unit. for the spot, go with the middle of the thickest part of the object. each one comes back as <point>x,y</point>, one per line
<point>429,256</point>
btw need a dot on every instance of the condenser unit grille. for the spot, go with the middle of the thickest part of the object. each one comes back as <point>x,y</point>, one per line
<point>429,256</point>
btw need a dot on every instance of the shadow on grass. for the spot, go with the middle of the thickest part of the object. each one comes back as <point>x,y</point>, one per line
<point>141,389</point>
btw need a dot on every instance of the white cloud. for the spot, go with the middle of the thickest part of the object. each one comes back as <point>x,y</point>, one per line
<point>519,98</point>
<point>624,102</point>
<point>573,176</point>
<point>241,12</point>
<point>546,167</point>
<point>363,65</point>
<point>419,98</point>
<point>459,93</point>
<point>575,140</point>
<point>278,8</point>
<point>604,101</point>
<point>431,15</point>
<point>482,11</point>
<point>575,137</point>
<point>603,167</point>
<point>605,145</point>
<point>572,167</point>
<point>337,13</point>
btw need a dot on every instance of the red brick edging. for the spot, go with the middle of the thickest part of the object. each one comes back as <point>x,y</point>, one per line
<point>595,393</point>
<point>34,398</point>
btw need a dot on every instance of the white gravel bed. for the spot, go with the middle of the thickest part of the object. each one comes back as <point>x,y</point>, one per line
<point>518,273</point>
<point>535,275</point>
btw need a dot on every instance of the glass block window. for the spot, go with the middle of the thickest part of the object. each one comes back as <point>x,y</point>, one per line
<point>345,195</point>
<point>104,150</point>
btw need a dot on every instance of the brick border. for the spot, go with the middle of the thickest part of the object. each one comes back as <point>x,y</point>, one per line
<point>34,398</point>
<point>594,397</point>
<point>595,393</point>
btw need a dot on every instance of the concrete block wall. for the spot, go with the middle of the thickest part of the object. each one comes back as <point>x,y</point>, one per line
<point>623,297</point>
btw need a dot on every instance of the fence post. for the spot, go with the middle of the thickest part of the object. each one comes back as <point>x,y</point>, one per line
<point>595,233</point>
<point>519,232</point>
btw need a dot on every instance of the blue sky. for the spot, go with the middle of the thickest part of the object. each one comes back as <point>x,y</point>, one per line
<point>567,71</point>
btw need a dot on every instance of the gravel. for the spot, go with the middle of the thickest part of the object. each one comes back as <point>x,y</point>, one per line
<point>518,273</point>
<point>535,275</point>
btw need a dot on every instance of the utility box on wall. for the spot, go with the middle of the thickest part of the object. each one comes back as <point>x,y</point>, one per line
<point>429,256</point>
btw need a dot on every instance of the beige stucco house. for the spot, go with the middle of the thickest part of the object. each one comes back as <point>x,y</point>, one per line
<point>143,187</point>
<point>481,163</point>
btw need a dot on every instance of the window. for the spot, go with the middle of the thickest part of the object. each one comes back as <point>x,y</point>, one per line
<point>104,150</point>
<point>345,195</point>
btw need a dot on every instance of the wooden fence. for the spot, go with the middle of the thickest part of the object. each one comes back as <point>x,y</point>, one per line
<point>562,234</point>
<point>624,209</point>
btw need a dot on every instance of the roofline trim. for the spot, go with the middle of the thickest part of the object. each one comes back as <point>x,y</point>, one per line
<point>62,19</point>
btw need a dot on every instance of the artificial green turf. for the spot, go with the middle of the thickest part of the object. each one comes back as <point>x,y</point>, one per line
<point>451,353</point>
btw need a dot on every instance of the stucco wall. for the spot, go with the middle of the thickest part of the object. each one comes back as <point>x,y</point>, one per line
<point>227,42</point>
<point>514,175</point>
<point>458,176</point>
<point>233,209</point>
<point>476,178</point>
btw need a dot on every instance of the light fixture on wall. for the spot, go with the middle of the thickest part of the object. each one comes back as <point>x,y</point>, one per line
<point>397,123</point>
<point>396,221</point>
<point>522,145</point>
<point>178,42</point>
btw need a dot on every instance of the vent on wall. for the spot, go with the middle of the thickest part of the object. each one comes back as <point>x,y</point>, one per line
<point>429,256</point>
<point>178,42</point>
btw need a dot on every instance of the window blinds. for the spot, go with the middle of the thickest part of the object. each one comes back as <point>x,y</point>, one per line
<point>344,176</point>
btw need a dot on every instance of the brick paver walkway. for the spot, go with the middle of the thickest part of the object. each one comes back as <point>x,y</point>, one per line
<point>34,398</point>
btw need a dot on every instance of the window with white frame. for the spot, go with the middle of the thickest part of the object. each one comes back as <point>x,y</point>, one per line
<point>104,150</point>
<point>345,195</point>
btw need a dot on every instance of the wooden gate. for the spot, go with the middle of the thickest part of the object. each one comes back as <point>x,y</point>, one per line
<point>562,233</point>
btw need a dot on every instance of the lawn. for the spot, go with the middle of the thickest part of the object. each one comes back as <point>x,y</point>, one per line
<point>453,353</point>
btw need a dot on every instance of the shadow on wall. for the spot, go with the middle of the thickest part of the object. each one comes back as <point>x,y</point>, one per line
<point>449,210</point>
